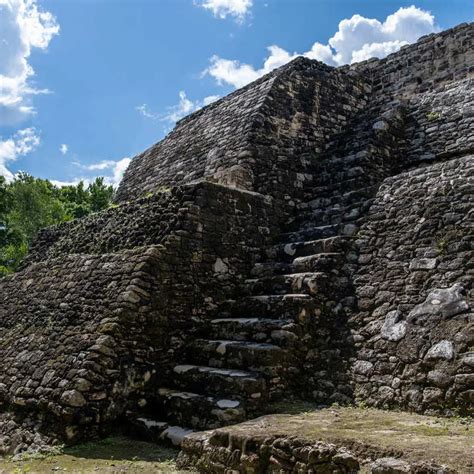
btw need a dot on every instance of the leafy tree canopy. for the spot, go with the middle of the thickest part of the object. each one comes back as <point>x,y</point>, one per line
<point>28,204</point>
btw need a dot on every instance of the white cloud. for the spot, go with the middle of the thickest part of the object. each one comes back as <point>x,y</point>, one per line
<point>73,182</point>
<point>20,144</point>
<point>119,169</point>
<point>143,109</point>
<point>23,26</point>
<point>223,8</point>
<point>357,39</point>
<point>102,165</point>
<point>184,107</point>
<point>113,172</point>
<point>238,74</point>
<point>63,148</point>
<point>210,99</point>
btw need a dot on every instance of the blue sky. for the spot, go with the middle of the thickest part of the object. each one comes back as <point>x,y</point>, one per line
<point>111,76</point>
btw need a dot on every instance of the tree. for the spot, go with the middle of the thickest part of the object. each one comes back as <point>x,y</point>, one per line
<point>76,200</point>
<point>100,195</point>
<point>28,204</point>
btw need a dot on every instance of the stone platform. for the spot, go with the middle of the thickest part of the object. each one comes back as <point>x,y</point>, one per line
<point>336,440</point>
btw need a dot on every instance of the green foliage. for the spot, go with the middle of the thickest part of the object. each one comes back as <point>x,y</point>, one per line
<point>432,116</point>
<point>29,204</point>
<point>100,195</point>
<point>163,189</point>
<point>442,246</point>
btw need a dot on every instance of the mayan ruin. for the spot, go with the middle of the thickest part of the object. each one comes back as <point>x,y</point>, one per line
<point>305,239</point>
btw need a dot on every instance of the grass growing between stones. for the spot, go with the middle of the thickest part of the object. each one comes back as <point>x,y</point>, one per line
<point>110,455</point>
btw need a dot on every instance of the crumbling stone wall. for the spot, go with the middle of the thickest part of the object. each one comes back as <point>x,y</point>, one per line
<point>297,119</point>
<point>263,136</point>
<point>414,329</point>
<point>85,336</point>
<point>72,346</point>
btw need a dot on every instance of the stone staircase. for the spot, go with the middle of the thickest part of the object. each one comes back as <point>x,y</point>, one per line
<point>248,355</point>
<point>284,321</point>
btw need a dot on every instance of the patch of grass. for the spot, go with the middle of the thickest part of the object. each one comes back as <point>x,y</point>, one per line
<point>291,407</point>
<point>163,189</point>
<point>427,430</point>
<point>442,246</point>
<point>109,455</point>
<point>433,116</point>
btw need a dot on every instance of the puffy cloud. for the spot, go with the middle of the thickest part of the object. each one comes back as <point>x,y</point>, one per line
<point>112,172</point>
<point>119,169</point>
<point>20,144</point>
<point>223,8</point>
<point>227,71</point>
<point>357,39</point>
<point>63,148</point>
<point>184,107</point>
<point>23,26</point>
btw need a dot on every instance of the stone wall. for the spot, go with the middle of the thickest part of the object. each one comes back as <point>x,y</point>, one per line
<point>85,336</point>
<point>414,331</point>
<point>439,123</point>
<point>72,347</point>
<point>262,137</point>
<point>204,143</point>
<point>297,119</point>
<point>146,221</point>
<point>422,66</point>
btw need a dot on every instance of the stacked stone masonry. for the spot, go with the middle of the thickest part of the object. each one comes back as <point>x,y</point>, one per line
<point>309,235</point>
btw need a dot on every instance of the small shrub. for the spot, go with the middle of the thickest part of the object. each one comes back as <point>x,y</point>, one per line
<point>164,189</point>
<point>432,116</point>
<point>442,246</point>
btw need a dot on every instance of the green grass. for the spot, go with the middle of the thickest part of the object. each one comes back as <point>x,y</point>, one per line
<point>110,455</point>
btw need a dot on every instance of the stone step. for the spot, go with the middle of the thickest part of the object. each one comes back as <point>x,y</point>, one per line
<point>344,186</point>
<point>245,355</point>
<point>320,262</point>
<point>317,263</point>
<point>146,428</point>
<point>240,383</point>
<point>278,331</point>
<point>312,233</point>
<point>352,197</point>
<point>287,306</point>
<point>288,252</point>
<point>330,215</point>
<point>311,283</point>
<point>198,411</point>
<point>344,172</point>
